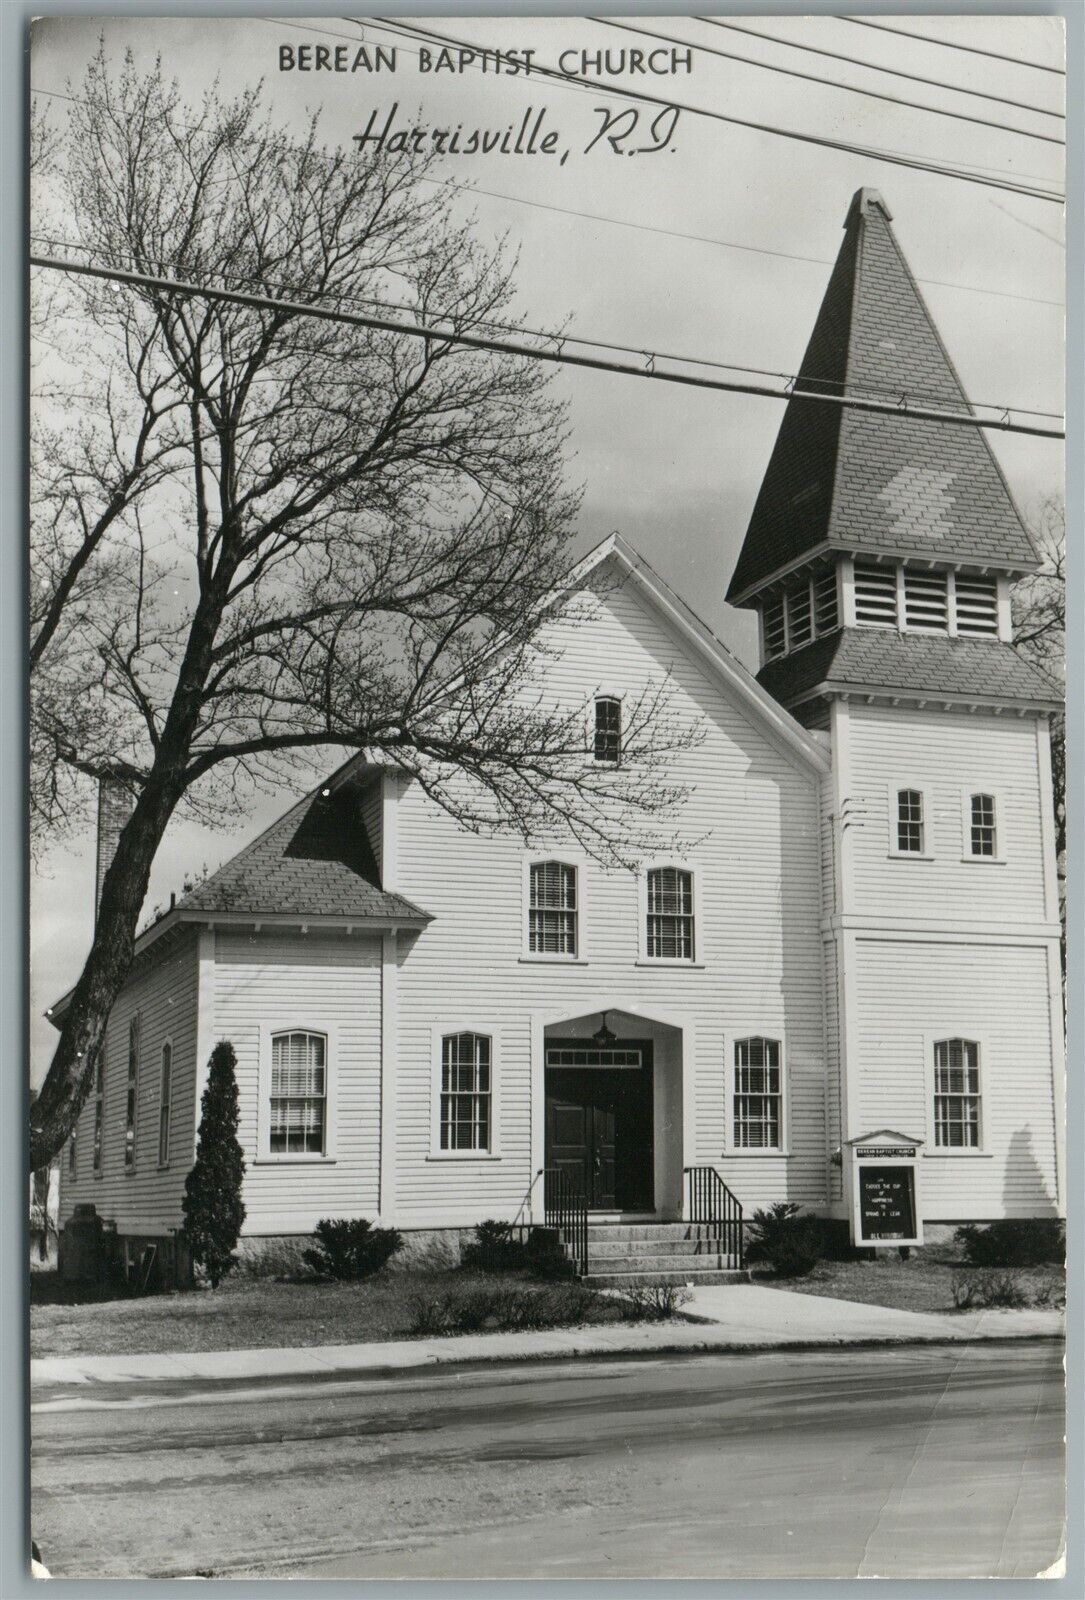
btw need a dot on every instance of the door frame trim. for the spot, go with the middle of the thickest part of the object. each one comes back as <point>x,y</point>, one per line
<point>646,1069</point>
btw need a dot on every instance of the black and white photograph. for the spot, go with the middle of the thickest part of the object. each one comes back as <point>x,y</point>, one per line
<point>546,797</point>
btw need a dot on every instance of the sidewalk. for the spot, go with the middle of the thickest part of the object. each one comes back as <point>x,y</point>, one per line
<point>740,1317</point>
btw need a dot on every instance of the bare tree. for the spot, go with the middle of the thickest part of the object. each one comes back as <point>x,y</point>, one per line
<point>258,535</point>
<point>1039,627</point>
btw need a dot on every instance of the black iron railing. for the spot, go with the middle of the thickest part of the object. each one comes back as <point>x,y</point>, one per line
<point>566,1210</point>
<point>714,1207</point>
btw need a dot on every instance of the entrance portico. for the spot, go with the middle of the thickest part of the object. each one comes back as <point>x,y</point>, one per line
<point>607,1109</point>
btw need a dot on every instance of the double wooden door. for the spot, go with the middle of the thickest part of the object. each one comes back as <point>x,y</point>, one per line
<point>599,1130</point>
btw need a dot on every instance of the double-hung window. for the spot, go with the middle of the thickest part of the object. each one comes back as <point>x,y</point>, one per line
<point>608,729</point>
<point>982,835</point>
<point>72,1160</point>
<point>299,1093</point>
<point>759,1095</point>
<point>552,914</point>
<point>670,931</point>
<point>131,1094</point>
<point>466,1091</point>
<point>910,825</point>
<point>956,1094</point>
<point>99,1109</point>
<point>165,1100</point>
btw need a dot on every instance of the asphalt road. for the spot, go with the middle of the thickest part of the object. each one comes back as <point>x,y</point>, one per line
<point>899,1463</point>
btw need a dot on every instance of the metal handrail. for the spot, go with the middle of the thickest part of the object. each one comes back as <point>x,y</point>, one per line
<point>712,1205</point>
<point>566,1210</point>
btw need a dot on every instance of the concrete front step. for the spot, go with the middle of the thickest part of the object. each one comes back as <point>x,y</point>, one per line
<point>657,1261</point>
<point>659,1247</point>
<point>648,1279</point>
<point>632,1231</point>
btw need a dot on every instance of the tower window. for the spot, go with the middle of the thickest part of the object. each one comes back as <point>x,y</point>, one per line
<point>982,839</point>
<point>926,601</point>
<point>825,612</point>
<point>800,621</point>
<point>772,623</point>
<point>909,822</point>
<point>608,729</point>
<point>977,605</point>
<point>875,595</point>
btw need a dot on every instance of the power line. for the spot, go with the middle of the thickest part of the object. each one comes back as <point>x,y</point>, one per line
<point>559,356</point>
<point>829,83</point>
<point>872,66</point>
<point>915,163</point>
<point>951,44</point>
<point>563,338</point>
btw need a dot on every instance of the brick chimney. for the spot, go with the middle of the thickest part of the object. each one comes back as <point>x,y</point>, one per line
<point>115,805</point>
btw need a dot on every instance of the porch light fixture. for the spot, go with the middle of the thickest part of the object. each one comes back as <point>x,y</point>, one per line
<point>603,1036</point>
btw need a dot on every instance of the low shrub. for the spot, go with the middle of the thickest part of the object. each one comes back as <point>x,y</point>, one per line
<point>544,1255</point>
<point>1013,1242</point>
<point>653,1302</point>
<point>428,1313</point>
<point>472,1309</point>
<point>494,1249</point>
<point>781,1237</point>
<point>349,1249</point>
<point>987,1288</point>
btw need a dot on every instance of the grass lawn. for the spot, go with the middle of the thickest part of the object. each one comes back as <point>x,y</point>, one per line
<point>921,1284</point>
<point>244,1314</point>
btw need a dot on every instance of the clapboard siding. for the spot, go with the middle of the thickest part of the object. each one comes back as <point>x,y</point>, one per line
<point>749,830</point>
<point>947,755</point>
<point>910,993</point>
<point>146,1198</point>
<point>315,980</point>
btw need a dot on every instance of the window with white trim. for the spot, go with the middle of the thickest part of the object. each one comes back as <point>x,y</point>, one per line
<point>670,933</point>
<point>758,1095</point>
<point>131,1094</point>
<point>165,1104</point>
<point>982,833</point>
<point>552,912</point>
<point>608,729</point>
<point>99,1108</point>
<point>71,1157</point>
<point>910,826</point>
<point>956,1094</point>
<point>299,1093</point>
<point>466,1091</point>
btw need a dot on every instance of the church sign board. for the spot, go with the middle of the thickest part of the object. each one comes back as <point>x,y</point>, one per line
<point>884,1187</point>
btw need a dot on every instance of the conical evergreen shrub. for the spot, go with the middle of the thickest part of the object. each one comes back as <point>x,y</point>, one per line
<point>212,1208</point>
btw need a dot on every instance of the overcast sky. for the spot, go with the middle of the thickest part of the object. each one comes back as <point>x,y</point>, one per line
<point>675,470</point>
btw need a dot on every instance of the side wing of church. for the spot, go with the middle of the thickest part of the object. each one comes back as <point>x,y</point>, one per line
<point>856,954</point>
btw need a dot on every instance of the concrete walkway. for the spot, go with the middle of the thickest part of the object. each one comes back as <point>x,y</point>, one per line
<point>743,1317</point>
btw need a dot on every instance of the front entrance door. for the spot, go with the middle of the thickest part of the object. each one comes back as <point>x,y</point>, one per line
<point>599,1124</point>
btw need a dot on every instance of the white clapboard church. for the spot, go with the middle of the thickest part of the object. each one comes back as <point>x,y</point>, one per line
<point>434,1028</point>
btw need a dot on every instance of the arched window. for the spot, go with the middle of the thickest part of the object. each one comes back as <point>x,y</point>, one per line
<point>670,933</point>
<point>758,1095</point>
<point>608,729</point>
<point>552,912</point>
<point>466,1091</point>
<point>299,1093</point>
<point>957,1094</point>
<point>165,1103</point>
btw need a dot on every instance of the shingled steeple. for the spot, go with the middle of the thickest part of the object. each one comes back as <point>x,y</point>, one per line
<point>888,521</point>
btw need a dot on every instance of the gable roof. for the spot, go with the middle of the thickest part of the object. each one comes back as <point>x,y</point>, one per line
<point>880,660</point>
<point>867,481</point>
<point>737,680</point>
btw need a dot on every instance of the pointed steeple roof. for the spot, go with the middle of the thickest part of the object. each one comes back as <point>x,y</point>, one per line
<point>864,481</point>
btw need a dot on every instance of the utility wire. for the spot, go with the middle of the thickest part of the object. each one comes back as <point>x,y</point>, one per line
<point>915,163</point>
<point>565,337</point>
<point>829,83</point>
<point>951,44</point>
<point>872,66</point>
<point>559,356</point>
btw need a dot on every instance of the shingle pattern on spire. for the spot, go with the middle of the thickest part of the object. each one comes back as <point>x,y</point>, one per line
<point>861,480</point>
<point>316,860</point>
<point>882,659</point>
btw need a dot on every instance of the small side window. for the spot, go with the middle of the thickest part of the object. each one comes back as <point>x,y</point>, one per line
<point>983,838</point>
<point>910,824</point>
<point>72,1159</point>
<point>608,729</point>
